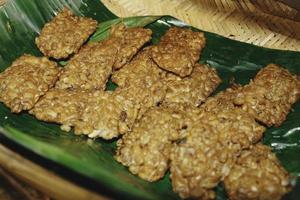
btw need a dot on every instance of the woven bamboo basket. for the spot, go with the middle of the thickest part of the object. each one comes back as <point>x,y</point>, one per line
<point>267,23</point>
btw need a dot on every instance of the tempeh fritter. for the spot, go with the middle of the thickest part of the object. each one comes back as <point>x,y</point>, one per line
<point>26,80</point>
<point>257,175</point>
<point>146,149</point>
<point>224,100</point>
<point>140,69</point>
<point>131,41</point>
<point>209,149</point>
<point>65,34</point>
<point>107,115</point>
<point>91,67</point>
<point>196,163</point>
<point>270,96</point>
<point>97,114</point>
<point>141,81</point>
<point>144,96</point>
<point>192,90</point>
<point>61,106</point>
<point>179,50</point>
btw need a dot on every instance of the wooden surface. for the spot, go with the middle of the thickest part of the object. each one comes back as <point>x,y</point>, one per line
<point>267,23</point>
<point>42,179</point>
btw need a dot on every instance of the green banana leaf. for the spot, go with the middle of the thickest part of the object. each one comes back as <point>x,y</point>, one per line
<point>20,23</point>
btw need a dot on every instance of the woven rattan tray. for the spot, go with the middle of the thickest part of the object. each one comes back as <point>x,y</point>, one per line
<point>267,23</point>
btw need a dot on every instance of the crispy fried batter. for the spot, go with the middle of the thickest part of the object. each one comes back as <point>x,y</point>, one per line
<point>147,148</point>
<point>144,96</point>
<point>26,80</point>
<point>195,163</point>
<point>91,67</point>
<point>96,114</point>
<point>257,174</point>
<point>207,153</point>
<point>107,115</point>
<point>131,40</point>
<point>179,50</point>
<point>65,34</point>
<point>140,81</point>
<point>192,90</point>
<point>140,69</point>
<point>221,101</point>
<point>270,96</point>
<point>184,37</point>
<point>61,106</point>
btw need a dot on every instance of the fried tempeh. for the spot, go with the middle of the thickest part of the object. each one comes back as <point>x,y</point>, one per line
<point>178,50</point>
<point>224,100</point>
<point>146,149</point>
<point>192,90</point>
<point>107,114</point>
<point>26,80</point>
<point>208,151</point>
<point>270,96</point>
<point>65,34</point>
<point>91,67</point>
<point>96,114</point>
<point>131,40</point>
<point>144,96</point>
<point>141,81</point>
<point>140,69</point>
<point>257,175</point>
<point>61,106</point>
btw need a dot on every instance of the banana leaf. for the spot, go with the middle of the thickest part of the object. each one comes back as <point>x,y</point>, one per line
<point>21,22</point>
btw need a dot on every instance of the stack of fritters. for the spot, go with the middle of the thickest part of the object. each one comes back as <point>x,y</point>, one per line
<point>161,106</point>
<point>209,150</point>
<point>98,113</point>
<point>211,138</point>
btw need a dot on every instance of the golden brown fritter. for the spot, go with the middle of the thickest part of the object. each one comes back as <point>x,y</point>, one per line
<point>224,100</point>
<point>140,69</point>
<point>146,149</point>
<point>141,81</point>
<point>26,80</point>
<point>91,67</point>
<point>96,114</point>
<point>107,115</point>
<point>184,37</point>
<point>61,106</point>
<point>178,50</point>
<point>144,96</point>
<point>209,149</point>
<point>131,40</point>
<point>257,175</point>
<point>194,89</point>
<point>270,96</point>
<point>196,163</point>
<point>65,34</point>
